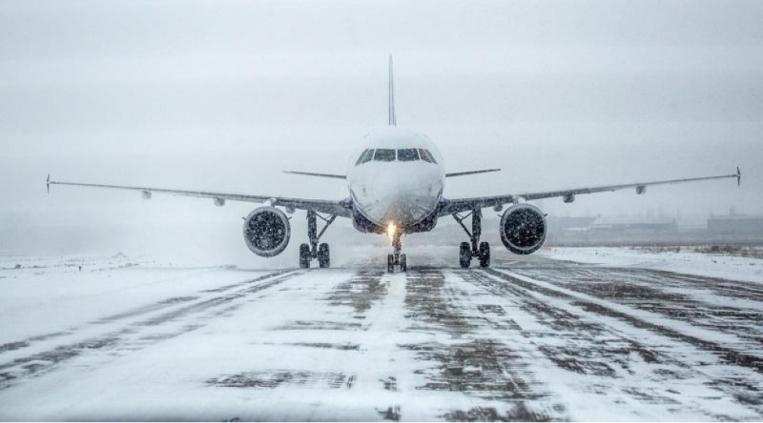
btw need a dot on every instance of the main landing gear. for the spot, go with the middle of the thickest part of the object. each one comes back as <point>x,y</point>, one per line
<point>314,251</point>
<point>480,250</point>
<point>396,258</point>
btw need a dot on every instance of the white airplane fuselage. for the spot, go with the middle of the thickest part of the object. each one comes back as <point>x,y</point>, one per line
<point>396,181</point>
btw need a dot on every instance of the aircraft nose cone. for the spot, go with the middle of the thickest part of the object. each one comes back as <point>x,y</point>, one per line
<point>405,201</point>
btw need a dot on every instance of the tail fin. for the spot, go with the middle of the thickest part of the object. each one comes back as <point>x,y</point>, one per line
<point>392,118</point>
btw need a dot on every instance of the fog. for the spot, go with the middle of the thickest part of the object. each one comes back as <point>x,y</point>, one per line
<point>225,95</point>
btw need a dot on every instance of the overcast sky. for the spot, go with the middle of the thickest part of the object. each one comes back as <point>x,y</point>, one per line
<point>225,94</point>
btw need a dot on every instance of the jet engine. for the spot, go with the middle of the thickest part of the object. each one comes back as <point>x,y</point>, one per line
<point>267,231</point>
<point>523,229</point>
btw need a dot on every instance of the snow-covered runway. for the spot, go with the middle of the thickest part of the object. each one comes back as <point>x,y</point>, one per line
<point>528,339</point>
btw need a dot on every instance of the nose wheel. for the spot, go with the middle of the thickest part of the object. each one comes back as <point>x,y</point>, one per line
<point>396,259</point>
<point>399,261</point>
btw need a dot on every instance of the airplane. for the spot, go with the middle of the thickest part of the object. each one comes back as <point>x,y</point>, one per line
<point>395,188</point>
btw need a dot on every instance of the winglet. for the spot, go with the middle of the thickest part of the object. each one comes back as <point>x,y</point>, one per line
<point>392,117</point>
<point>739,176</point>
<point>47,183</point>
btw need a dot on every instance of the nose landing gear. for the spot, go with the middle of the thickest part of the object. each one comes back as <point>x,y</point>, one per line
<point>480,250</point>
<point>314,251</point>
<point>396,258</point>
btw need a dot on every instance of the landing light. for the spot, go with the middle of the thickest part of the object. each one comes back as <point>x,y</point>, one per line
<point>391,229</point>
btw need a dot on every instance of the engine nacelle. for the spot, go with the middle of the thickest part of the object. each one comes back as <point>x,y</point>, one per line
<point>267,231</point>
<point>523,229</point>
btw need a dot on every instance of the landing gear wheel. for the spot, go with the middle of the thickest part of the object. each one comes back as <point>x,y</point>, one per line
<point>484,254</point>
<point>465,255</point>
<point>324,259</point>
<point>390,263</point>
<point>304,256</point>
<point>403,263</point>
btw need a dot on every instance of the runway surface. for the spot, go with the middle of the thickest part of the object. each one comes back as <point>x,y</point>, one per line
<point>528,339</point>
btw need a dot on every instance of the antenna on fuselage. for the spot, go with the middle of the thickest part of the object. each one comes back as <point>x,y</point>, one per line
<point>392,118</point>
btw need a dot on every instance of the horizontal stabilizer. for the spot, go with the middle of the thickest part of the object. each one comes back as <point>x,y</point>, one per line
<point>471,172</point>
<point>320,175</point>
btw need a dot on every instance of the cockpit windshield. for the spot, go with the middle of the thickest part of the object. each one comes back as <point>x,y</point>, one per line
<point>384,155</point>
<point>365,157</point>
<point>390,155</point>
<point>407,154</point>
<point>360,159</point>
<point>427,156</point>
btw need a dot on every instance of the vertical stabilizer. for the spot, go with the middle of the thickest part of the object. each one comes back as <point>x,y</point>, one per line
<point>392,118</point>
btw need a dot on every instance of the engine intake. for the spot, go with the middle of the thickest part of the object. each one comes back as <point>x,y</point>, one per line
<point>267,231</point>
<point>523,229</point>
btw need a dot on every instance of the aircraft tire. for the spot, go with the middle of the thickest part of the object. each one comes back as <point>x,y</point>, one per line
<point>304,256</point>
<point>324,256</point>
<point>484,254</point>
<point>465,255</point>
<point>403,263</point>
<point>390,263</point>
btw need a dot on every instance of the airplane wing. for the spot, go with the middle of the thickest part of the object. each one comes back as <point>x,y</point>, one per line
<point>457,205</point>
<point>471,172</point>
<point>338,208</point>
<point>320,175</point>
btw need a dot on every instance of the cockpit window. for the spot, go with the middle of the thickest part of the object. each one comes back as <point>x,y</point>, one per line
<point>427,156</point>
<point>360,159</point>
<point>384,155</point>
<point>365,157</point>
<point>407,154</point>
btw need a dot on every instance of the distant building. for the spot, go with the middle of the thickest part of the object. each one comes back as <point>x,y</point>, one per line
<point>559,224</point>
<point>737,224</point>
<point>631,225</point>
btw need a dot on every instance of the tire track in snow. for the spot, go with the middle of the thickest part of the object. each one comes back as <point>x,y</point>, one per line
<point>128,338</point>
<point>344,309</point>
<point>670,295</point>
<point>495,378</point>
<point>729,355</point>
<point>606,352</point>
<point>128,314</point>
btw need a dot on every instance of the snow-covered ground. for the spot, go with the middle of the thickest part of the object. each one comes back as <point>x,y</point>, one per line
<point>685,260</point>
<point>532,338</point>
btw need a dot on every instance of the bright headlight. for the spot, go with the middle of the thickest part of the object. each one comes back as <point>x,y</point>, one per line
<point>391,229</point>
